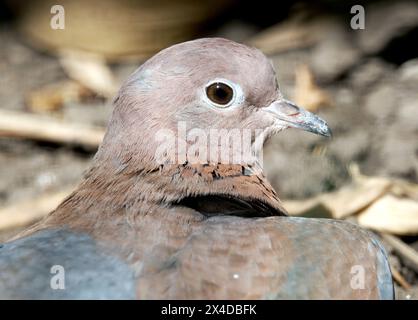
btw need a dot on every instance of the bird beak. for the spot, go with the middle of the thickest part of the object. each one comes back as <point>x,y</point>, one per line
<point>293,116</point>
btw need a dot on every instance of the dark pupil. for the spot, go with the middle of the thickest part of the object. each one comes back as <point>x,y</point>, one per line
<point>219,93</point>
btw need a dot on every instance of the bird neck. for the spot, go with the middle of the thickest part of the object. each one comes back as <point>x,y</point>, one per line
<point>208,189</point>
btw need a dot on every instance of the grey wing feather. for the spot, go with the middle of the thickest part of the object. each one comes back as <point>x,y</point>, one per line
<point>27,269</point>
<point>384,275</point>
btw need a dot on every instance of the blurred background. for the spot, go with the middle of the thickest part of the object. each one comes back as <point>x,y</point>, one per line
<point>56,89</point>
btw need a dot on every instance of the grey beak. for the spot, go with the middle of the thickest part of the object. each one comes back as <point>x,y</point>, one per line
<point>296,117</point>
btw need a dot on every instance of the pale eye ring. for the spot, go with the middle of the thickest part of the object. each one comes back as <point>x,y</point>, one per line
<point>220,93</point>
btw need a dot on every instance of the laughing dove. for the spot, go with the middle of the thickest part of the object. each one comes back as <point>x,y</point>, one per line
<point>167,211</point>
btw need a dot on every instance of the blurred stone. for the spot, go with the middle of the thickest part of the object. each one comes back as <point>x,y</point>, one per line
<point>23,70</point>
<point>97,113</point>
<point>237,30</point>
<point>382,102</point>
<point>407,115</point>
<point>408,72</point>
<point>393,259</point>
<point>347,115</point>
<point>335,54</point>
<point>369,73</point>
<point>402,294</point>
<point>385,21</point>
<point>285,65</point>
<point>398,155</point>
<point>344,96</point>
<point>414,244</point>
<point>30,163</point>
<point>351,146</point>
<point>303,161</point>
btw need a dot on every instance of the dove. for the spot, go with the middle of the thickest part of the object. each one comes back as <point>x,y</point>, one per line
<point>169,210</point>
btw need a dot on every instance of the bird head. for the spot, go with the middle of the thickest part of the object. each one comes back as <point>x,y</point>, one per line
<point>187,98</point>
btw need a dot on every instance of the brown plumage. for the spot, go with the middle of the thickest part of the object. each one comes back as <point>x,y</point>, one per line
<point>195,230</point>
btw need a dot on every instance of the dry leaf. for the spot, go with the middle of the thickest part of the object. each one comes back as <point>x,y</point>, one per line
<point>344,202</point>
<point>90,70</point>
<point>405,189</point>
<point>283,37</point>
<point>312,208</point>
<point>391,214</point>
<point>31,126</point>
<point>307,94</point>
<point>297,32</point>
<point>27,212</point>
<point>356,196</point>
<point>382,204</point>
<point>52,97</point>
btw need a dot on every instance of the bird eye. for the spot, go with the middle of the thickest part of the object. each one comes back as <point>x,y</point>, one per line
<point>220,93</point>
